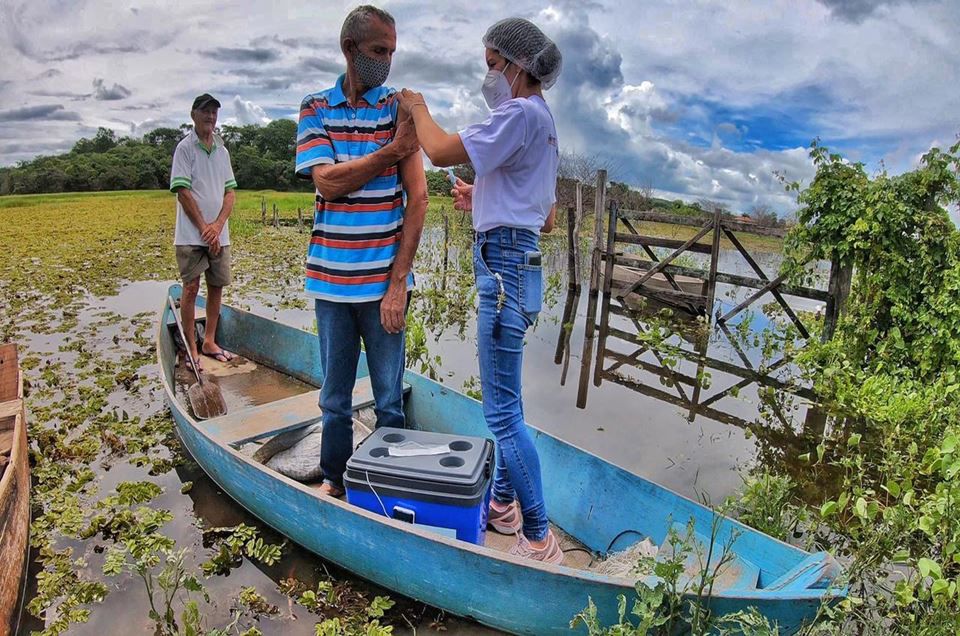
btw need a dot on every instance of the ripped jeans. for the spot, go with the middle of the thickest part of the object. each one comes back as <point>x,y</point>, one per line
<point>510,292</point>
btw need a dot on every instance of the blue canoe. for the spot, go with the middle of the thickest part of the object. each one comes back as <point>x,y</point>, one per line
<point>604,507</point>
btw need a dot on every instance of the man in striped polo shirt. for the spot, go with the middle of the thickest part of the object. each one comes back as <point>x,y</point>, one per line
<point>362,161</point>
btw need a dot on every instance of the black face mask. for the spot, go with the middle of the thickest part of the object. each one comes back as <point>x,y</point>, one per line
<point>370,71</point>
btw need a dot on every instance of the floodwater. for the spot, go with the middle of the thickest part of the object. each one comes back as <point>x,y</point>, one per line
<point>698,454</point>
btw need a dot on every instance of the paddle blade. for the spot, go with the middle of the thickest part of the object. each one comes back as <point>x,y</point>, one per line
<point>206,400</point>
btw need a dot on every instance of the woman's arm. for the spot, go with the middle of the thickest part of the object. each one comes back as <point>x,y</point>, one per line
<point>443,149</point>
<point>551,218</point>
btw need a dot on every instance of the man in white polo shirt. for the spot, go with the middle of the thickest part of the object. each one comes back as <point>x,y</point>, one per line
<point>203,181</point>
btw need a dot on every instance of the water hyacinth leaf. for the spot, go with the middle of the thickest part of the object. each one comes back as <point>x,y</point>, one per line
<point>860,508</point>
<point>928,567</point>
<point>940,587</point>
<point>903,556</point>
<point>950,441</point>
<point>892,487</point>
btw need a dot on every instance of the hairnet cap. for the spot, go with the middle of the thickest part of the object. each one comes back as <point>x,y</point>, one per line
<point>524,44</point>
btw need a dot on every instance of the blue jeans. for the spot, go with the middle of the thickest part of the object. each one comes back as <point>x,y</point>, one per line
<point>519,292</point>
<point>340,327</point>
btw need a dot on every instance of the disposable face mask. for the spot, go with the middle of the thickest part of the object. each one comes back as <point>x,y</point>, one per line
<point>496,89</point>
<point>370,71</point>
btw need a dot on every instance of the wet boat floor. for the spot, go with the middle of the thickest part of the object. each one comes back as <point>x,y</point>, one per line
<point>244,383</point>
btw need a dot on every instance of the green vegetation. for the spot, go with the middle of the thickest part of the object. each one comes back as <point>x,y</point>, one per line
<point>889,383</point>
<point>667,602</point>
<point>880,486</point>
<point>93,407</point>
<point>262,157</point>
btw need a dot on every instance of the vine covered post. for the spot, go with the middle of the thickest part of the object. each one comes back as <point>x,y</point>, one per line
<point>839,288</point>
<point>573,280</point>
<point>446,247</point>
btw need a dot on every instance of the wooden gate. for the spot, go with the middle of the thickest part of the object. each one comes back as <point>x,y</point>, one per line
<point>688,289</point>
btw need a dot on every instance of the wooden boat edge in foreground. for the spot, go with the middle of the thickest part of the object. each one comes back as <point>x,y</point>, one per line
<point>14,495</point>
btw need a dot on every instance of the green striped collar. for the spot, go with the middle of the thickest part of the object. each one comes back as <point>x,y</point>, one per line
<point>217,141</point>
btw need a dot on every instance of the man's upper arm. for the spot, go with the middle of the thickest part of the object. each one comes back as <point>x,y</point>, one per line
<point>181,173</point>
<point>413,177</point>
<point>492,143</point>
<point>313,144</point>
<point>230,181</point>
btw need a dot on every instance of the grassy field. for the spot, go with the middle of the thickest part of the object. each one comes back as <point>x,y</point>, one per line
<point>753,242</point>
<point>59,248</point>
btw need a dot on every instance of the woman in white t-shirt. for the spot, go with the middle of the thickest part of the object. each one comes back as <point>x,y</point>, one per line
<point>515,155</point>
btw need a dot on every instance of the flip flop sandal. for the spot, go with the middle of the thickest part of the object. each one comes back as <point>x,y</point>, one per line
<point>223,355</point>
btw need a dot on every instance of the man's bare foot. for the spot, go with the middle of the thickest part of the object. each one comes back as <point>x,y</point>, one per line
<point>217,353</point>
<point>330,490</point>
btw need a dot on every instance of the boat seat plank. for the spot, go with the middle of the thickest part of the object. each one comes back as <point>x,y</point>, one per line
<point>10,408</point>
<point>280,416</point>
<point>814,572</point>
<point>6,442</point>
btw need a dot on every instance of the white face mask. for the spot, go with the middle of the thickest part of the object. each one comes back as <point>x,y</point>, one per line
<point>496,89</point>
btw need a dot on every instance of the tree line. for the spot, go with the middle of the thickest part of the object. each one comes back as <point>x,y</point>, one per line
<point>263,159</point>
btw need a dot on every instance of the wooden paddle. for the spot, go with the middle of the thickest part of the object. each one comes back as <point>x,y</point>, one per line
<point>206,400</point>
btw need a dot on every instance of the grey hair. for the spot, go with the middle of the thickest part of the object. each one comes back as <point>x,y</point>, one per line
<point>356,26</point>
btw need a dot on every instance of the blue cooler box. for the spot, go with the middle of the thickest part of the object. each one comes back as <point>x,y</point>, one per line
<point>434,480</point>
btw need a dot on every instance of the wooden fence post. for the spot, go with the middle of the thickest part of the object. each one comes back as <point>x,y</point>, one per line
<point>714,260</point>
<point>446,247</point>
<point>299,219</point>
<point>585,361</point>
<point>263,210</point>
<point>841,277</point>
<point>572,244</point>
<point>607,284</point>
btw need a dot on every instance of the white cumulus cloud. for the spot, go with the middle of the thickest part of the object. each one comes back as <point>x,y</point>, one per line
<point>246,112</point>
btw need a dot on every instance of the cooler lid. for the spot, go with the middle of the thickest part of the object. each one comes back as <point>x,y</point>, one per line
<point>423,456</point>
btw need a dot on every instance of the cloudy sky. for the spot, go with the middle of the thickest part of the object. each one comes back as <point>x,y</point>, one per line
<point>698,98</point>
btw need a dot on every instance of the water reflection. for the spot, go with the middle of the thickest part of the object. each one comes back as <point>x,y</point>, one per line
<point>737,373</point>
